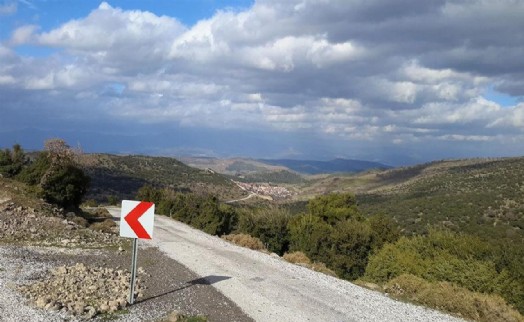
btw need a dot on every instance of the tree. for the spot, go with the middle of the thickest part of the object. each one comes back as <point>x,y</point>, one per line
<point>55,172</point>
<point>334,207</point>
<point>65,186</point>
<point>12,162</point>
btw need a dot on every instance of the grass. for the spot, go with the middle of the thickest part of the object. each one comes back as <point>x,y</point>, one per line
<point>301,259</point>
<point>246,241</point>
<point>453,299</point>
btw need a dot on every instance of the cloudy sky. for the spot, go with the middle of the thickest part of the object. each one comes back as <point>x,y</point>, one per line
<point>399,82</point>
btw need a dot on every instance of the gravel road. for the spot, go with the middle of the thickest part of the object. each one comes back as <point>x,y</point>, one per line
<point>269,289</point>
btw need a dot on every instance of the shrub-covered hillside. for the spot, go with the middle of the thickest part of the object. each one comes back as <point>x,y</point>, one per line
<point>481,197</point>
<point>122,176</point>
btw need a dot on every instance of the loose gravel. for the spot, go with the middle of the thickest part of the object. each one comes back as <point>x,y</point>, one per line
<point>168,286</point>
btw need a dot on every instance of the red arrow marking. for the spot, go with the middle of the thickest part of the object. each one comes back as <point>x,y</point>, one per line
<point>132,219</point>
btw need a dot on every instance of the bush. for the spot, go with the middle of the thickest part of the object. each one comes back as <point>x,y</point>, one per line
<point>334,207</point>
<point>268,224</point>
<point>245,240</point>
<point>463,260</point>
<point>65,186</point>
<point>113,200</point>
<point>310,234</point>
<point>350,245</point>
<point>452,298</point>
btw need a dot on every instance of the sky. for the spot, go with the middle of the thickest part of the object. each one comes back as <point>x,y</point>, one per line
<point>399,82</point>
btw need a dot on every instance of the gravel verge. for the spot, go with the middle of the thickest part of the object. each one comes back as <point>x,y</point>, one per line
<point>168,286</point>
<point>53,269</point>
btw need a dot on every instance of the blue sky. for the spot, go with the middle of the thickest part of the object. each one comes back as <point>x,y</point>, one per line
<point>399,82</point>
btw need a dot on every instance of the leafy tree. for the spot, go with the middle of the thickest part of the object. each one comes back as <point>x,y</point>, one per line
<point>65,186</point>
<point>12,162</point>
<point>33,173</point>
<point>54,171</point>
<point>334,207</point>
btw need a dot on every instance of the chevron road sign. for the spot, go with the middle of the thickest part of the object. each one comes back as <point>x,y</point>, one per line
<point>137,219</point>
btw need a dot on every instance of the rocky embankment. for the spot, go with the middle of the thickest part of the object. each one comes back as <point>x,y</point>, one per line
<point>52,227</point>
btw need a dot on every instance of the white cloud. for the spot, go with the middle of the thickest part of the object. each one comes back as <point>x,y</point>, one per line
<point>350,70</point>
<point>23,35</point>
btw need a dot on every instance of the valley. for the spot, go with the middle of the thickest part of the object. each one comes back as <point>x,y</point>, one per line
<point>359,227</point>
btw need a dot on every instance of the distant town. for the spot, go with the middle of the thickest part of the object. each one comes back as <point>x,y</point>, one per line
<point>264,189</point>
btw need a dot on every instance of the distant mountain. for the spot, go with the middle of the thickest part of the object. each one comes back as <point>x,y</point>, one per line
<point>333,166</point>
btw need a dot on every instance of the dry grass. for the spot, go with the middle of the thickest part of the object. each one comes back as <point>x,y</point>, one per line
<point>297,258</point>
<point>301,259</point>
<point>454,299</point>
<point>81,221</point>
<point>105,226</point>
<point>245,240</point>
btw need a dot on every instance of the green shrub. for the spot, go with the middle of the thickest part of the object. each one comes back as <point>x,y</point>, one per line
<point>452,298</point>
<point>463,260</point>
<point>113,200</point>
<point>91,203</point>
<point>350,245</point>
<point>310,234</point>
<point>268,224</point>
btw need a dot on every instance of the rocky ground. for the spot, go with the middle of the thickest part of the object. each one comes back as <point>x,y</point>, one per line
<point>52,268</point>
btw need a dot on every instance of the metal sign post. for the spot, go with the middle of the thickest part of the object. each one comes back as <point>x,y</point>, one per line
<point>133,271</point>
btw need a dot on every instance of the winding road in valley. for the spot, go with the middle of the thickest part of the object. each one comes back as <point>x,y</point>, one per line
<point>270,289</point>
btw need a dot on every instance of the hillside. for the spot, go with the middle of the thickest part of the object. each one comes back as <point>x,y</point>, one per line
<point>333,166</point>
<point>122,176</point>
<point>479,196</point>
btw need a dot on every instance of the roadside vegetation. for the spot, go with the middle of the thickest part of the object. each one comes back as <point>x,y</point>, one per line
<point>333,235</point>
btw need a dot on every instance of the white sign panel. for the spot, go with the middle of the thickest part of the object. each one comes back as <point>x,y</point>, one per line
<point>137,219</point>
